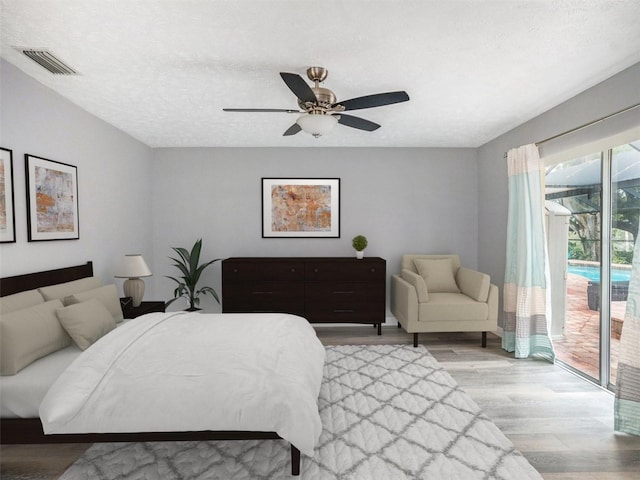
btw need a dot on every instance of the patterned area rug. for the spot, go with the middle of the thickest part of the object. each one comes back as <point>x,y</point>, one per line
<point>389,412</point>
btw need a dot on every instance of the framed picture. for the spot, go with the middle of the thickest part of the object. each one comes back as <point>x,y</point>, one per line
<point>7,208</point>
<point>300,207</point>
<point>52,200</point>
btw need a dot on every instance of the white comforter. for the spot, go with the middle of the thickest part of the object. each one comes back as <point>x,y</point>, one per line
<point>192,372</point>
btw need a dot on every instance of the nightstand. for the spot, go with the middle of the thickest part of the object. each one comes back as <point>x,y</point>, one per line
<point>145,307</point>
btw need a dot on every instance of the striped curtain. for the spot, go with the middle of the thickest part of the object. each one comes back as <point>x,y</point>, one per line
<point>525,321</point>
<point>627,402</point>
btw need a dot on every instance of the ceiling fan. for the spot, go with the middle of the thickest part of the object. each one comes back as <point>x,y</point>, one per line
<point>319,108</point>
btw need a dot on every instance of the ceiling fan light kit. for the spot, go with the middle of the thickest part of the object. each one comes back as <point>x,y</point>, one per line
<point>319,106</point>
<point>317,124</point>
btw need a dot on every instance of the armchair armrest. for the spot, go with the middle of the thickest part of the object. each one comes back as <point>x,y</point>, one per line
<point>404,300</point>
<point>493,304</point>
<point>473,284</point>
<point>418,283</point>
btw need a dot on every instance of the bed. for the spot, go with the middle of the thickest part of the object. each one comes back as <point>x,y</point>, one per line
<point>67,407</point>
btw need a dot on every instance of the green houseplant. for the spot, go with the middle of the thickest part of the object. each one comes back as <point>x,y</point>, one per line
<point>359,242</point>
<point>188,264</point>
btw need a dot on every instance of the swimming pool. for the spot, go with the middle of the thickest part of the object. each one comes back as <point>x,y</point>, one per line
<point>593,273</point>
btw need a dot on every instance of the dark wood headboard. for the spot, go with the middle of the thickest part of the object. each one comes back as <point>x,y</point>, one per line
<point>29,281</point>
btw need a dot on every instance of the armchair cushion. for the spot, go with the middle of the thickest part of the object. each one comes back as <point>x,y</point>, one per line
<point>452,308</point>
<point>418,283</point>
<point>437,274</point>
<point>473,284</point>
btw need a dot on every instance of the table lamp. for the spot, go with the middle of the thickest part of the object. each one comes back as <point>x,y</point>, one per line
<point>132,267</point>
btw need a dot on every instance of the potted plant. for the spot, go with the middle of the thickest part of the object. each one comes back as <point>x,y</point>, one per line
<point>188,264</point>
<point>359,242</point>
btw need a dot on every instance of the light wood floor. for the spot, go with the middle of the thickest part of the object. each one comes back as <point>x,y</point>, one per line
<point>562,424</point>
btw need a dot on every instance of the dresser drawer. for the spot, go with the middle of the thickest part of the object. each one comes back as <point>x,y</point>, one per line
<point>356,270</point>
<point>263,289</point>
<point>263,296</point>
<point>257,270</point>
<point>274,306</point>
<point>273,301</point>
<point>343,291</point>
<point>354,312</point>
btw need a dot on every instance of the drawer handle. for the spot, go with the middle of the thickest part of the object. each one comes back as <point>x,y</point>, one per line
<point>315,270</point>
<point>262,293</point>
<point>373,270</point>
<point>346,310</point>
<point>293,270</point>
<point>343,292</point>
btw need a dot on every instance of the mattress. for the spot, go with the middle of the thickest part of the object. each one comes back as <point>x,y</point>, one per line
<point>21,394</point>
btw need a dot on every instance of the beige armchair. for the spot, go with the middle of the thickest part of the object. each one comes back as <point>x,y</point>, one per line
<point>433,293</point>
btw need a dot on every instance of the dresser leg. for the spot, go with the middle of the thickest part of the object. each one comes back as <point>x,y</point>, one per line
<point>415,339</point>
<point>484,339</point>
<point>379,329</point>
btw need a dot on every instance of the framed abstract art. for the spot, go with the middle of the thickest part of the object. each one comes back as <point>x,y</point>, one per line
<point>300,207</point>
<point>7,208</point>
<point>52,200</point>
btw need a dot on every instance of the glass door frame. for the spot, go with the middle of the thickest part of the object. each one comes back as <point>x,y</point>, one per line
<point>606,226</point>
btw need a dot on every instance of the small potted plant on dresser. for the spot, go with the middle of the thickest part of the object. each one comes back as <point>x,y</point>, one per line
<point>188,264</point>
<point>359,242</point>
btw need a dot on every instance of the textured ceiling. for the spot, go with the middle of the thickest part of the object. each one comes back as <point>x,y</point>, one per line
<point>163,70</point>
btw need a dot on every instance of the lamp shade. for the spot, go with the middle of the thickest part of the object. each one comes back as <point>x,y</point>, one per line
<point>317,124</point>
<point>133,266</point>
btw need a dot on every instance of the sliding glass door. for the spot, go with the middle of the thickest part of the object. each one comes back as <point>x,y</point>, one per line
<point>625,223</point>
<point>599,195</point>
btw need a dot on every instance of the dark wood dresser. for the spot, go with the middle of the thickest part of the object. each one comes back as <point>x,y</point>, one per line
<point>321,289</point>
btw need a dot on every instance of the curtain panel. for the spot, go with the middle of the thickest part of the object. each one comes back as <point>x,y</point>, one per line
<point>526,320</point>
<point>627,401</point>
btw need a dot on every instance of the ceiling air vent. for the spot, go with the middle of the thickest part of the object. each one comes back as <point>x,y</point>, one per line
<point>49,61</point>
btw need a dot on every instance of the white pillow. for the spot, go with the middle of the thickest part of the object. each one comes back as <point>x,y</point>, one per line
<point>29,334</point>
<point>107,294</point>
<point>437,274</point>
<point>86,322</point>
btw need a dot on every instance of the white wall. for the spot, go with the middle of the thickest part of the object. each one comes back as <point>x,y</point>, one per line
<point>114,189</point>
<point>403,200</point>
<point>612,95</point>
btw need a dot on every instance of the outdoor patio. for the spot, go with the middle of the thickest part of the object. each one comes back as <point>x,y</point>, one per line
<point>581,343</point>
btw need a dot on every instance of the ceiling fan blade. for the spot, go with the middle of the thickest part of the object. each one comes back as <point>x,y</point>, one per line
<point>299,87</point>
<point>375,100</point>
<point>261,110</point>
<point>292,130</point>
<point>357,122</point>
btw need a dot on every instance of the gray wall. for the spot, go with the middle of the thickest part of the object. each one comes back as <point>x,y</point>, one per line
<point>610,96</point>
<point>402,200</point>
<point>113,179</point>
